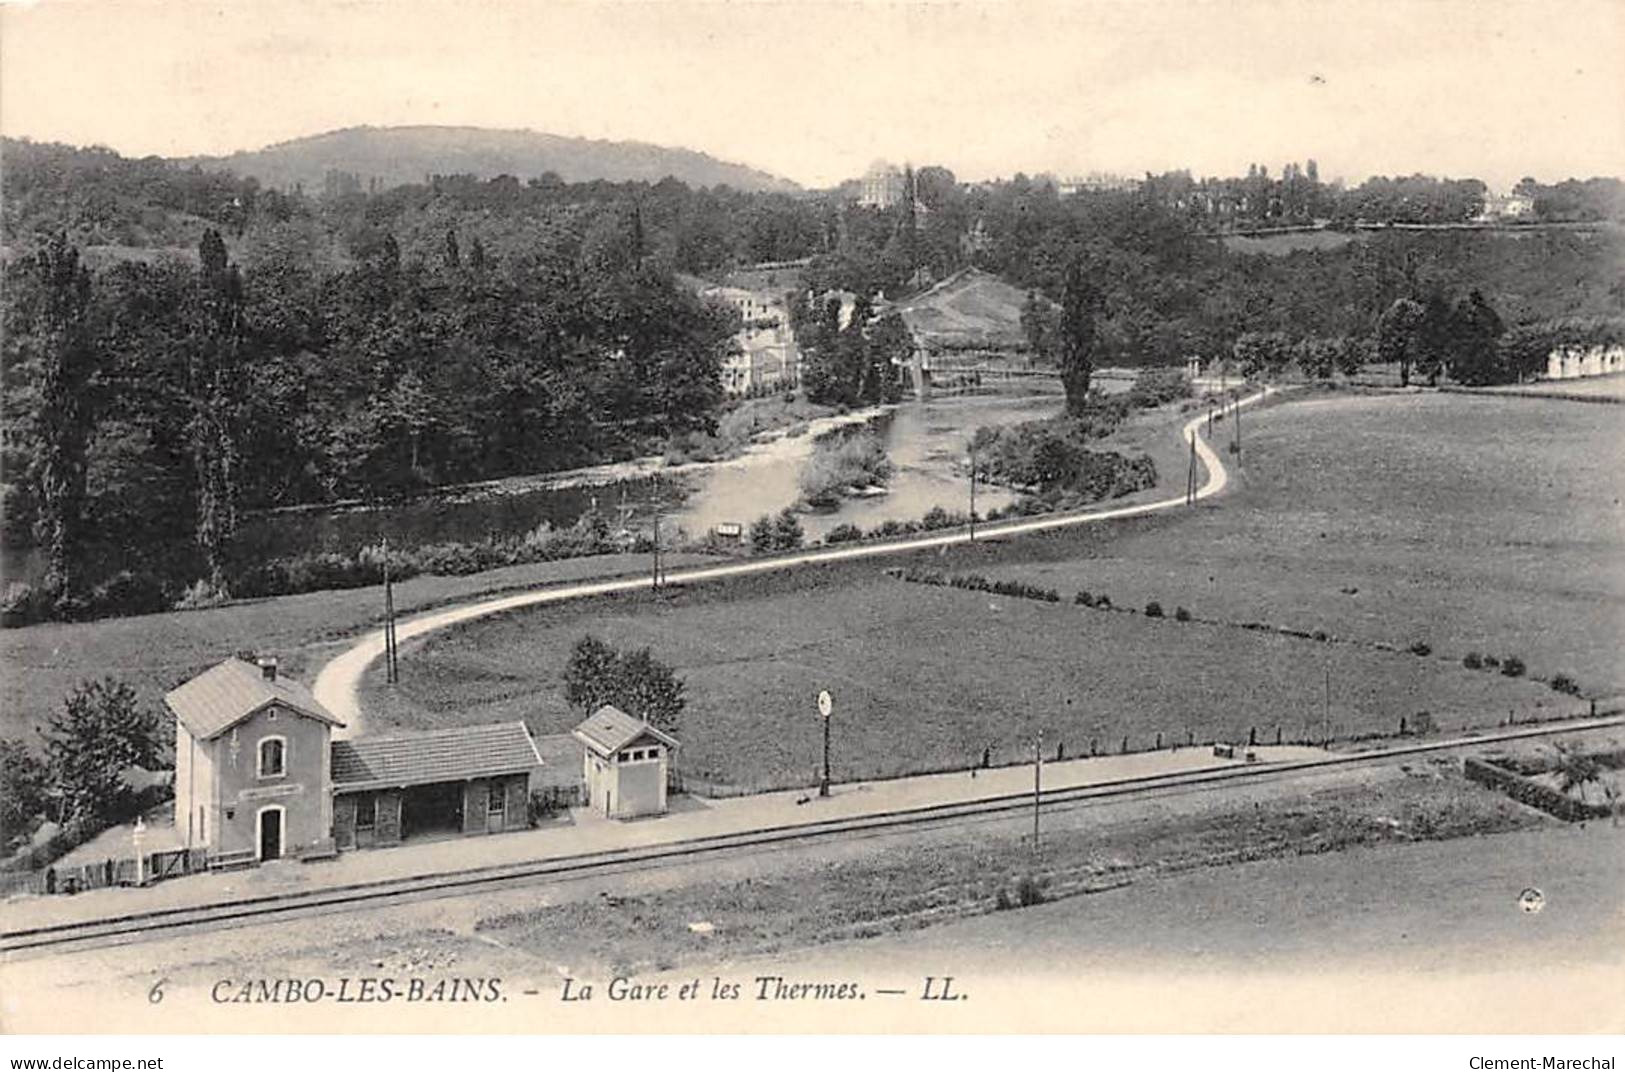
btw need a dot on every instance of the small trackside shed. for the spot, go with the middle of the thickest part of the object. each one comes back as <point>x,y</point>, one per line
<point>465,780</point>
<point>625,765</point>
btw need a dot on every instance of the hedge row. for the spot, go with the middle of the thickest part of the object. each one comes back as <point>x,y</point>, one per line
<point>1525,791</point>
<point>975,582</point>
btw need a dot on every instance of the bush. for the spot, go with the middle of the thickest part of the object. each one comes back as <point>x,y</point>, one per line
<point>1512,666</point>
<point>1153,609</point>
<point>1181,614</point>
<point>1084,599</point>
<point>1104,602</point>
<point>843,533</point>
<point>23,604</point>
<point>201,594</point>
<point>1491,662</point>
<point>1420,647</point>
<point>1472,661</point>
<point>1564,684</point>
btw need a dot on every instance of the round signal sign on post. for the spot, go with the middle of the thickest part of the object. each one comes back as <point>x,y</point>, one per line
<point>825,703</point>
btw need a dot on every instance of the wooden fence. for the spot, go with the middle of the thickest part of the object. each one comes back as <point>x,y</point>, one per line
<point>103,873</point>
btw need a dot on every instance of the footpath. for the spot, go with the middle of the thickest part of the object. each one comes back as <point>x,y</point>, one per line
<point>583,832</point>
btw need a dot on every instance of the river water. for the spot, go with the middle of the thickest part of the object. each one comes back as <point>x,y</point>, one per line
<point>926,440</point>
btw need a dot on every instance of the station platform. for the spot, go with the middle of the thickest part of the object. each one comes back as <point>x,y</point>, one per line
<point>583,832</point>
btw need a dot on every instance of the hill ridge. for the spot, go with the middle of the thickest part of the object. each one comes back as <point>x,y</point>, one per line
<point>400,155</point>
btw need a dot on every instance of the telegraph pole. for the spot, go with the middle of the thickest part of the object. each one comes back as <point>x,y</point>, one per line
<point>654,578</point>
<point>973,488</point>
<point>1326,709</point>
<point>1038,781</point>
<point>391,670</point>
<point>1190,479</point>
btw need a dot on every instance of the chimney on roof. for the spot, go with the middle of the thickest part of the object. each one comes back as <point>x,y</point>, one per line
<point>267,664</point>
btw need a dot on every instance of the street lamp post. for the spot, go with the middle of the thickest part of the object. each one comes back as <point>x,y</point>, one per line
<point>825,706</point>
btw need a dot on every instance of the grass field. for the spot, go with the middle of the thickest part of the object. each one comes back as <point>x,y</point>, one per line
<point>42,663</point>
<point>1466,523</point>
<point>1279,245</point>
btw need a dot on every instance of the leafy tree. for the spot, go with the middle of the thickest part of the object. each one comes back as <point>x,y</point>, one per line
<point>1397,336</point>
<point>634,681</point>
<point>1038,325</point>
<point>787,531</point>
<point>1079,305</point>
<point>762,535</point>
<point>590,675</point>
<point>1476,357</point>
<point>22,790</point>
<point>1262,353</point>
<point>100,733</point>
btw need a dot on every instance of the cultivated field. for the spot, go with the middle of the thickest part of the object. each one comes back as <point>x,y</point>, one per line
<point>973,309</point>
<point>1464,523</point>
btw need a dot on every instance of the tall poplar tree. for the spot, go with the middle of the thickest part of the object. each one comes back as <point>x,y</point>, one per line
<point>66,361</point>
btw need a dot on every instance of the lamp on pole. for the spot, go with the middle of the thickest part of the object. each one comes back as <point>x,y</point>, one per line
<point>825,705</point>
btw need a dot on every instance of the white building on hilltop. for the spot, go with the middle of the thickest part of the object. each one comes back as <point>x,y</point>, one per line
<point>882,186</point>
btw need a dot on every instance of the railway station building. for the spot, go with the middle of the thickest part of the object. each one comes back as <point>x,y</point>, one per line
<point>259,777</point>
<point>625,764</point>
<point>252,765</point>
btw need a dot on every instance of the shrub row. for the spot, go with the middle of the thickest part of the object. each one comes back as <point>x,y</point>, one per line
<point>975,582</point>
<point>1511,666</point>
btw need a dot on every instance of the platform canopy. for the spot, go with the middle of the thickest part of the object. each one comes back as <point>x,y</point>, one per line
<point>449,755</point>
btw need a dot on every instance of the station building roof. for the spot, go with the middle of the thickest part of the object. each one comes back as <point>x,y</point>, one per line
<point>609,729</point>
<point>230,692</point>
<point>446,755</point>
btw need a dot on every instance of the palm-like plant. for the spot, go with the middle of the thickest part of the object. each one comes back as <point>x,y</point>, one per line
<point>1575,769</point>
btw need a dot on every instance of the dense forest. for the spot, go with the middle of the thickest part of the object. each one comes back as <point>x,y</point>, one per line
<point>182,347</point>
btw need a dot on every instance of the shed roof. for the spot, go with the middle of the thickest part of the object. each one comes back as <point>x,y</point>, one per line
<point>609,729</point>
<point>448,755</point>
<point>230,692</point>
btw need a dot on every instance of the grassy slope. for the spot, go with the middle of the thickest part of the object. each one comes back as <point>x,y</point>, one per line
<point>1464,556</point>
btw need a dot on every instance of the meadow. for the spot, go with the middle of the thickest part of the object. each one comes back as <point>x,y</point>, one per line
<point>1462,523</point>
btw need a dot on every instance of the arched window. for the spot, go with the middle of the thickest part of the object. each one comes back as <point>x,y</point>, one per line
<point>273,757</point>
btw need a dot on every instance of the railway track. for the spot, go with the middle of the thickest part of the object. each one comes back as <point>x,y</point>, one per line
<point>160,923</point>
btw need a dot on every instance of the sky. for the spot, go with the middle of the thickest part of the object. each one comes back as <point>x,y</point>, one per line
<point>1495,89</point>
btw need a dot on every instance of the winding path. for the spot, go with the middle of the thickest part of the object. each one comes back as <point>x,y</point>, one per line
<point>337,685</point>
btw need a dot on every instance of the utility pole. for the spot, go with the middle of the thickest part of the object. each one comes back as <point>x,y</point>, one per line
<point>391,669</point>
<point>1190,478</point>
<point>655,570</point>
<point>973,488</point>
<point>1038,782</point>
<point>1238,425</point>
<point>1326,709</point>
